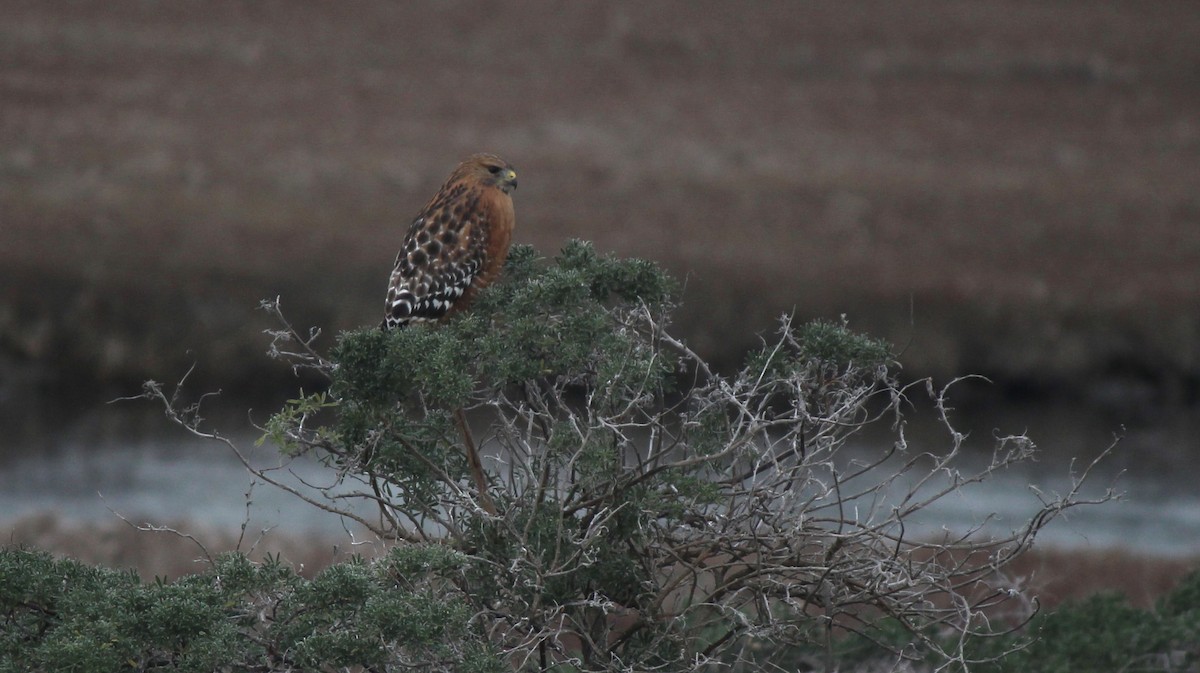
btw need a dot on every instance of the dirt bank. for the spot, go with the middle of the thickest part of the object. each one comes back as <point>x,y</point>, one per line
<point>161,550</point>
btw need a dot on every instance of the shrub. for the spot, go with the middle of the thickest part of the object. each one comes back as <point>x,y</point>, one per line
<point>59,615</point>
<point>1104,633</point>
<point>637,510</point>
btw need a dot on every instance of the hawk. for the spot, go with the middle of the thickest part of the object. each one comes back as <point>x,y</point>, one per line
<point>457,244</point>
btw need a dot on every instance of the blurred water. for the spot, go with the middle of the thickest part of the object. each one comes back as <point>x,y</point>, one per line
<point>131,462</point>
<point>160,481</point>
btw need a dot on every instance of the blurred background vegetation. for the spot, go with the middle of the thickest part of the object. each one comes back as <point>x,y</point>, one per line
<point>1008,189</point>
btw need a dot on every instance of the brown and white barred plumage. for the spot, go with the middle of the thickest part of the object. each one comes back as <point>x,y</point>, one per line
<point>457,244</point>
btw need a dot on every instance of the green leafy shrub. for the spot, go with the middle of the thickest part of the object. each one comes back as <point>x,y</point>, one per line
<point>59,615</point>
<point>1104,633</point>
<point>626,507</point>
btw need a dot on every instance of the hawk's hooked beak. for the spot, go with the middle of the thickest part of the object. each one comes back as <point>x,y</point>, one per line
<point>508,181</point>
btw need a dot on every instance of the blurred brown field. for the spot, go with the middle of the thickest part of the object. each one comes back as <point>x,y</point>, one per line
<point>1010,188</point>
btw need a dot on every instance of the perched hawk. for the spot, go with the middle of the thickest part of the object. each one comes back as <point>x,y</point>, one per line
<point>456,245</point>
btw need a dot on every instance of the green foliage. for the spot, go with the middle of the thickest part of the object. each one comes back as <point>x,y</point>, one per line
<point>59,615</point>
<point>62,616</point>
<point>553,321</point>
<point>828,346</point>
<point>295,412</point>
<point>1103,633</point>
<point>835,345</point>
<point>1184,602</point>
<point>1100,633</point>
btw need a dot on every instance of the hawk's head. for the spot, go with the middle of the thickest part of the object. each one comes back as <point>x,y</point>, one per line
<point>488,169</point>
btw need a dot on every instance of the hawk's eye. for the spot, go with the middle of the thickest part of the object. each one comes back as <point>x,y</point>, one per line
<point>493,169</point>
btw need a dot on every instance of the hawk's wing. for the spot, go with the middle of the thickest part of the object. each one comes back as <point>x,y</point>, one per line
<point>442,255</point>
